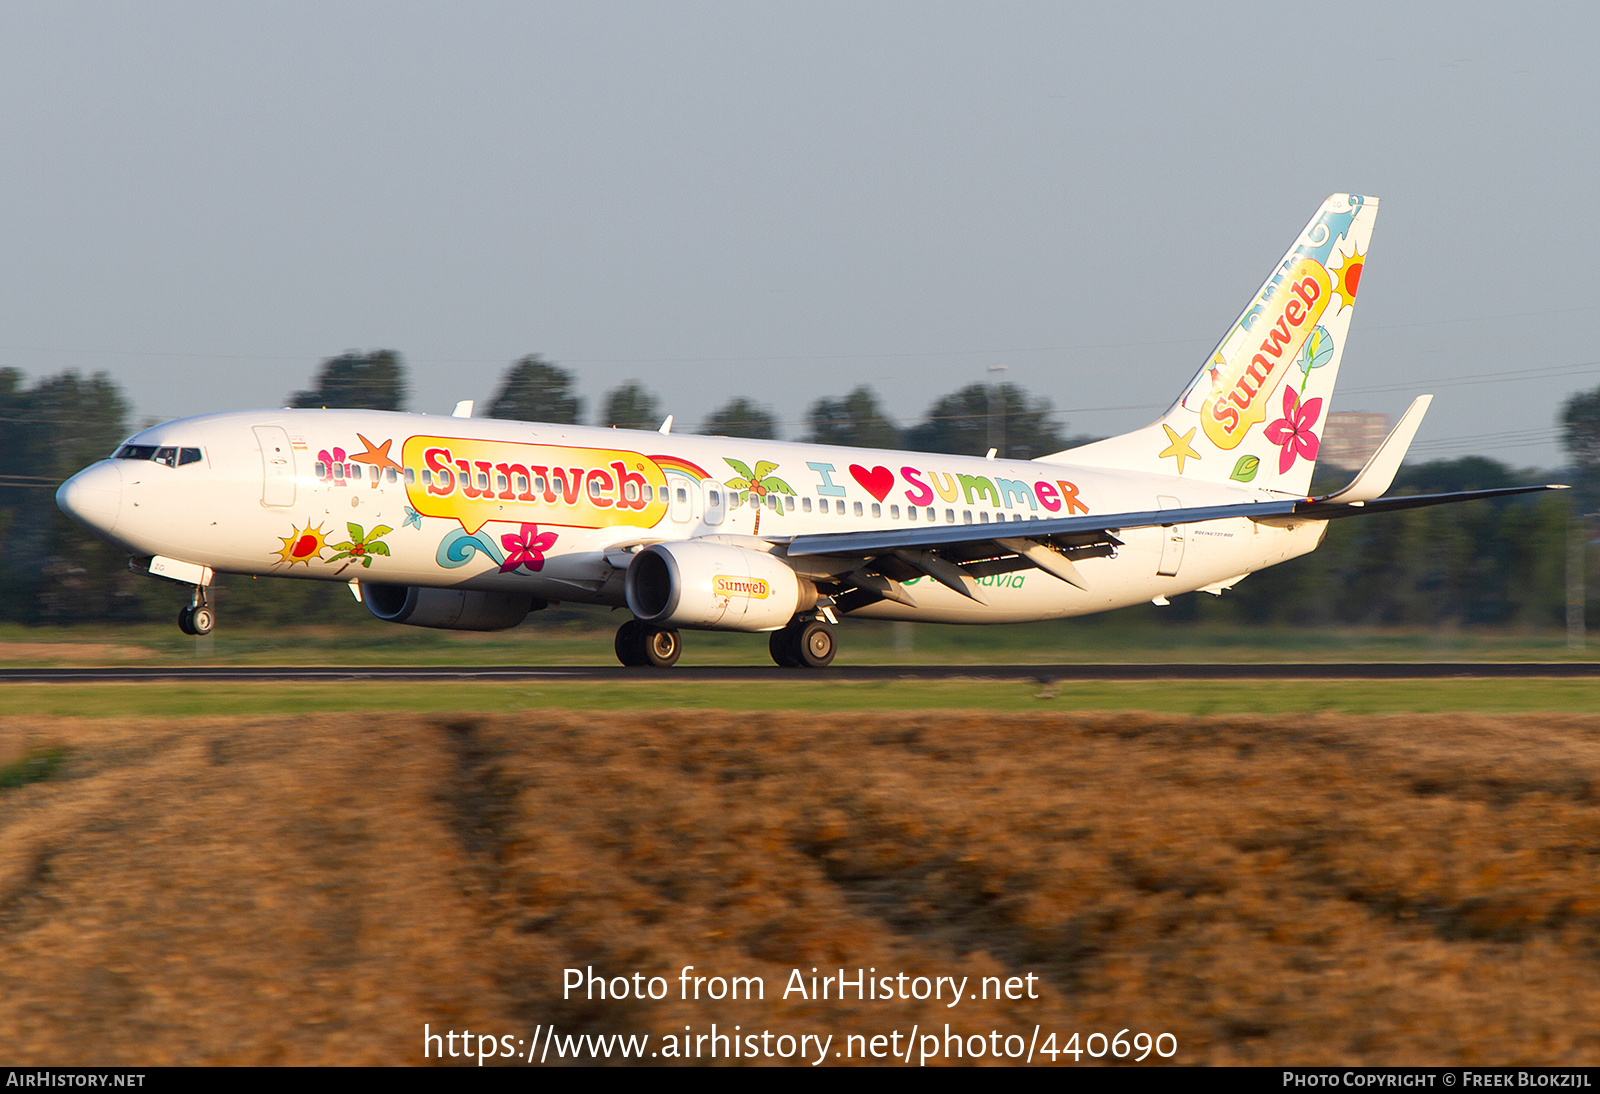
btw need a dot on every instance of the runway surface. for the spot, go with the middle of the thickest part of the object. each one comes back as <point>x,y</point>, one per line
<point>752,673</point>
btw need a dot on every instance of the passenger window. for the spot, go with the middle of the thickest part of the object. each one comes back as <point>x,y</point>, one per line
<point>911,512</point>
<point>427,476</point>
<point>411,476</point>
<point>321,470</point>
<point>805,505</point>
<point>983,518</point>
<point>355,471</point>
<point>894,512</point>
<point>858,508</point>
<point>966,516</point>
<point>950,516</point>
<point>338,472</point>
<point>394,476</point>
<point>877,511</point>
<point>683,495</point>
<point>650,492</point>
<point>538,484</point>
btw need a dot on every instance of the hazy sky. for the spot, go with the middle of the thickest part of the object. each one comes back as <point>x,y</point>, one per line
<point>782,201</point>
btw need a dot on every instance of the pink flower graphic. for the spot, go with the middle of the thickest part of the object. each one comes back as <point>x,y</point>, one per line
<point>526,548</point>
<point>1293,431</point>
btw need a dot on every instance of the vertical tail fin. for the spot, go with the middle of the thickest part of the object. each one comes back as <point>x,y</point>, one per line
<point>1254,412</point>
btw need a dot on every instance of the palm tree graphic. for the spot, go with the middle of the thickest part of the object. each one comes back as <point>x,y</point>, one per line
<point>759,482</point>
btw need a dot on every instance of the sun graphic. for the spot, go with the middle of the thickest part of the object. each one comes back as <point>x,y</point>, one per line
<point>303,545</point>
<point>1348,278</point>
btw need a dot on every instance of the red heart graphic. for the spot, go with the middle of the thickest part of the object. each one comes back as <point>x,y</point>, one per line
<point>878,482</point>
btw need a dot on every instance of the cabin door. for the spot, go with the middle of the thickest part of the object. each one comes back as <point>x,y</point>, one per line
<point>681,506</point>
<point>1171,542</point>
<point>277,466</point>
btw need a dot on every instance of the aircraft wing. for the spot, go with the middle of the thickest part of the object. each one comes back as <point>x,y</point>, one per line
<point>875,562</point>
<point>933,538</point>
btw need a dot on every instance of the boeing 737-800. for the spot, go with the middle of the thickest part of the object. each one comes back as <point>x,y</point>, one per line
<point>471,524</point>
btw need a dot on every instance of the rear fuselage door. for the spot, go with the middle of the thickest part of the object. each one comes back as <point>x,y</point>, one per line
<point>1171,542</point>
<point>277,466</point>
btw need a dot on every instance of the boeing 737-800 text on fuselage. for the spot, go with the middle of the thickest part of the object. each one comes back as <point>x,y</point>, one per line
<point>472,523</point>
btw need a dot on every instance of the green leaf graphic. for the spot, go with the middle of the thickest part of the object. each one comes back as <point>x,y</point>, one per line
<point>741,467</point>
<point>1245,470</point>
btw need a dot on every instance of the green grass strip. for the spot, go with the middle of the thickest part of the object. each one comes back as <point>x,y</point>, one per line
<point>167,699</point>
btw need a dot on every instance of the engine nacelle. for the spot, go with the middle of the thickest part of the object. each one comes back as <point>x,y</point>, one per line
<point>449,609</point>
<point>715,586</point>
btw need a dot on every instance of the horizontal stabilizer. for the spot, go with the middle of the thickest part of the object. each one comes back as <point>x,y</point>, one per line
<point>1331,510</point>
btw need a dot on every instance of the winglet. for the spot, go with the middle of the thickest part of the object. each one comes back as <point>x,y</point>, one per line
<point>463,409</point>
<point>1378,474</point>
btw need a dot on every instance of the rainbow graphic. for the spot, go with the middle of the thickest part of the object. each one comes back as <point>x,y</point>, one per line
<point>680,466</point>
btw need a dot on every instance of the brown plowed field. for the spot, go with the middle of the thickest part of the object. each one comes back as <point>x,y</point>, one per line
<point>304,890</point>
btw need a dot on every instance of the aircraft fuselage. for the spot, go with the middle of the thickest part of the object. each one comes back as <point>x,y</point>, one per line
<point>551,510</point>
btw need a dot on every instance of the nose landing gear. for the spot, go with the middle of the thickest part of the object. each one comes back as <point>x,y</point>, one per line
<point>198,618</point>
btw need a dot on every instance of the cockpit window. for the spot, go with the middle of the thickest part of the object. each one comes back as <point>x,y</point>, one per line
<point>165,455</point>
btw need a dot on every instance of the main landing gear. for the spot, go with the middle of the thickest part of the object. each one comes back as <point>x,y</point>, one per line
<point>198,618</point>
<point>640,645</point>
<point>804,643</point>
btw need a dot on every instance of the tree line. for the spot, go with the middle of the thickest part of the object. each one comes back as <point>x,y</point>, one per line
<point>1483,563</point>
<point>966,422</point>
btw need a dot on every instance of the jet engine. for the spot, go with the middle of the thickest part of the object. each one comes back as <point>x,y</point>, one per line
<point>715,586</point>
<point>449,609</point>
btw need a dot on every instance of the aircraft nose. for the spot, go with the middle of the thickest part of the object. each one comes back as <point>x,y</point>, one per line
<point>93,497</point>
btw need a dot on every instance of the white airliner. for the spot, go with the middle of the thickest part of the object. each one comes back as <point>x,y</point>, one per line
<point>471,524</point>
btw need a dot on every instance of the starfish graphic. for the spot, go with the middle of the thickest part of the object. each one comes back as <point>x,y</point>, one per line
<point>1180,448</point>
<point>376,456</point>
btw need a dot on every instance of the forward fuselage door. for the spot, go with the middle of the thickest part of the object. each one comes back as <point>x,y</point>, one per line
<point>277,466</point>
<point>1171,543</point>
